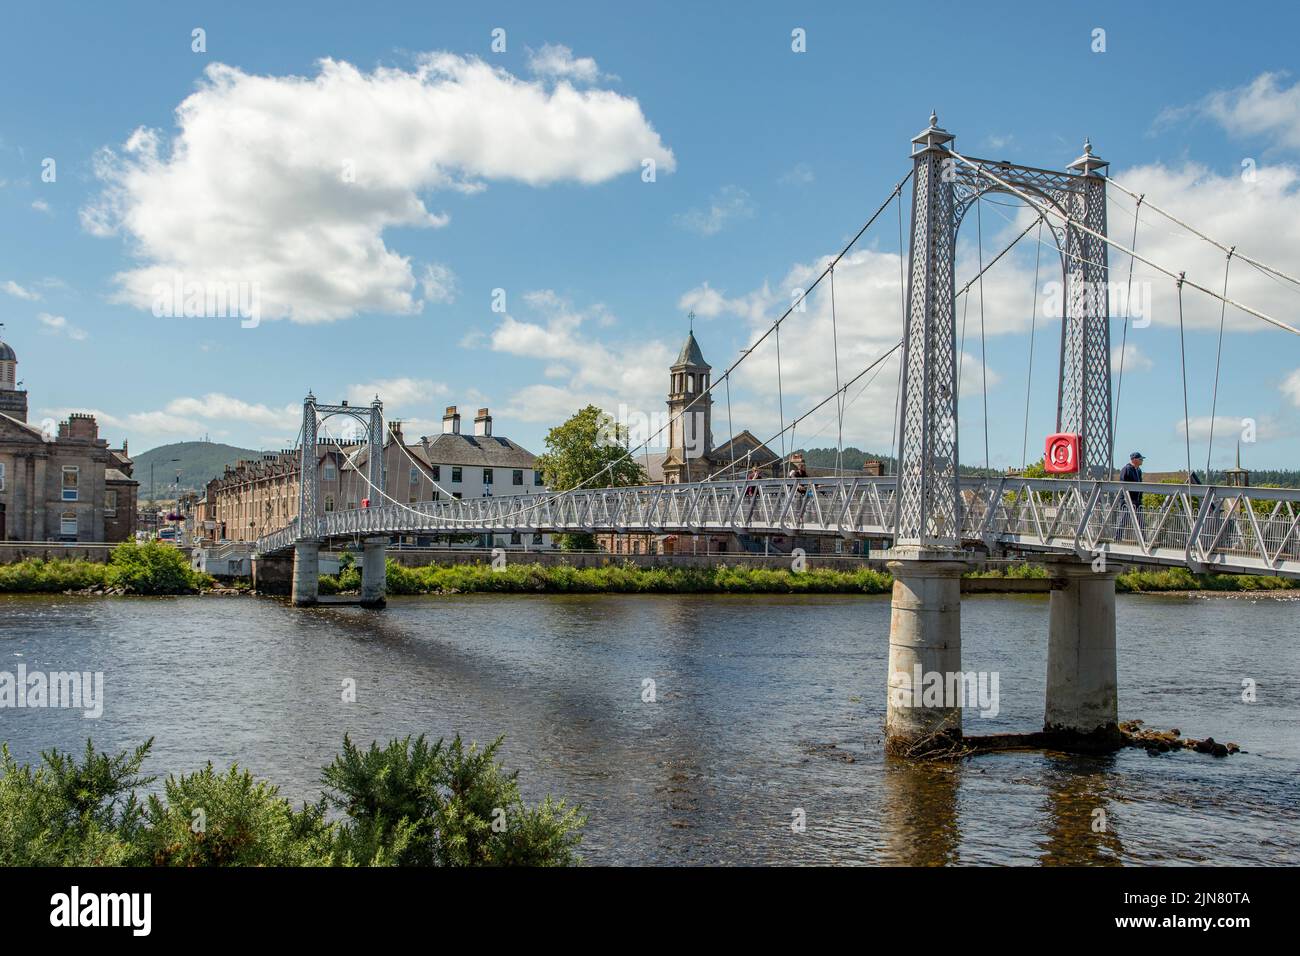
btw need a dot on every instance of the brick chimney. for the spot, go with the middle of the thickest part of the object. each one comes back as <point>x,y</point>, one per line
<point>395,430</point>
<point>873,468</point>
<point>79,425</point>
<point>451,421</point>
<point>483,424</point>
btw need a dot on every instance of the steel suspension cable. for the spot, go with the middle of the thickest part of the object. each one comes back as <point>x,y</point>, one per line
<point>1123,342</point>
<point>1182,351</point>
<point>839,405</point>
<point>1230,250</point>
<point>1218,357</point>
<point>1033,321</point>
<point>902,301</point>
<point>1117,245</point>
<point>984,362</point>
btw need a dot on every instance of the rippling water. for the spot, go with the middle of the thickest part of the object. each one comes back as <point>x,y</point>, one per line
<point>765,705</point>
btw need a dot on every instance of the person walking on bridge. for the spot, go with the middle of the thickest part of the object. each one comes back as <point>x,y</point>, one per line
<point>1132,472</point>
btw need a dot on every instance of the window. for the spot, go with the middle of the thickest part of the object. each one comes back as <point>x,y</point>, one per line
<point>437,472</point>
<point>457,495</point>
<point>329,502</point>
<point>68,524</point>
<point>70,474</point>
<point>455,476</point>
<point>519,476</point>
<point>487,476</point>
<point>2,476</point>
<point>537,478</point>
<point>415,475</point>
<point>515,538</point>
<point>110,503</point>
<point>330,472</point>
<point>537,538</point>
<point>437,495</point>
<point>352,506</point>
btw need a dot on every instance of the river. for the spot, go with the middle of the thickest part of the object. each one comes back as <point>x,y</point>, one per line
<point>764,706</point>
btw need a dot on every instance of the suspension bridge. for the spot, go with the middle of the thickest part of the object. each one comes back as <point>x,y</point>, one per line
<point>1082,524</point>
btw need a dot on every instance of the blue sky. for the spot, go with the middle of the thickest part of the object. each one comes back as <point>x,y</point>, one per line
<point>529,179</point>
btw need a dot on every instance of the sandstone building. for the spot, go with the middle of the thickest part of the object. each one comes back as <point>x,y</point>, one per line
<point>69,486</point>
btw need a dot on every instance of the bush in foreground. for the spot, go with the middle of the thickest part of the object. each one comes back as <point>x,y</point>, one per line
<point>406,804</point>
<point>151,568</point>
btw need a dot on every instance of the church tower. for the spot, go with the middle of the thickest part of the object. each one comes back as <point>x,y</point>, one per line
<point>690,410</point>
<point>13,402</point>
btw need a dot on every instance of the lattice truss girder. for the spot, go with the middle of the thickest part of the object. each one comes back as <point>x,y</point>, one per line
<point>1084,386</point>
<point>928,512</point>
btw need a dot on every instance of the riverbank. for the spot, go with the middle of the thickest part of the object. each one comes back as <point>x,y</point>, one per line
<point>157,569</point>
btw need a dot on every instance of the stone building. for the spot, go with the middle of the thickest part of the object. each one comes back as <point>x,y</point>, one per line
<point>65,487</point>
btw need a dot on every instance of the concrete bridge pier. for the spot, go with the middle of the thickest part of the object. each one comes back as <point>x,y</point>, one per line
<point>306,573</point>
<point>924,654</point>
<point>1082,687</point>
<point>374,572</point>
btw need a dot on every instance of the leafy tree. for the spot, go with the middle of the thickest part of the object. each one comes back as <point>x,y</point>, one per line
<point>589,450</point>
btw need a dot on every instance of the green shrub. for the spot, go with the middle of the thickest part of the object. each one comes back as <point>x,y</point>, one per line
<point>416,804</point>
<point>406,804</point>
<point>153,568</point>
<point>70,813</point>
<point>213,819</point>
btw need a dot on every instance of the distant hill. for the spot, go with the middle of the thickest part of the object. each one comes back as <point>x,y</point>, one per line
<point>200,461</point>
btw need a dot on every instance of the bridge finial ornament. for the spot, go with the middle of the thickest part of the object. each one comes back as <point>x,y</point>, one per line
<point>934,118</point>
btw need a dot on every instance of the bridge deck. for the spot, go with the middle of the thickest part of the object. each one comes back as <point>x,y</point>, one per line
<point>1203,527</point>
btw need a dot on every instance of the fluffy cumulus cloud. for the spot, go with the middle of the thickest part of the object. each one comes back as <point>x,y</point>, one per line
<point>557,62</point>
<point>631,374</point>
<point>1291,387</point>
<point>288,183</point>
<point>1265,107</point>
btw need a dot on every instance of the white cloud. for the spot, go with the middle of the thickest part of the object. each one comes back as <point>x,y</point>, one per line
<point>1134,359</point>
<point>216,406</point>
<point>557,62</point>
<point>58,325</point>
<point>40,205</point>
<point>290,182</point>
<point>1262,107</point>
<point>439,283</point>
<point>1291,387</point>
<point>397,393</point>
<point>11,287</point>
<point>729,204</point>
<point>631,373</point>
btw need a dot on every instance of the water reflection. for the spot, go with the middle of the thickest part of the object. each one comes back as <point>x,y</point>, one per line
<point>1081,825</point>
<point>919,813</point>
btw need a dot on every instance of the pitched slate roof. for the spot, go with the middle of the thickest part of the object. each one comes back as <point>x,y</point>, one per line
<point>32,430</point>
<point>690,353</point>
<point>481,450</point>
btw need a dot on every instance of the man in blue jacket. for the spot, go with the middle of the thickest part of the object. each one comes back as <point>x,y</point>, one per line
<point>1133,472</point>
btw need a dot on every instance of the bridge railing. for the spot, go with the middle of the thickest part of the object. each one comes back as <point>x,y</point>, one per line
<point>1200,526</point>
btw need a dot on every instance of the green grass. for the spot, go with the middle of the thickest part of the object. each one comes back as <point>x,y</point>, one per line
<point>614,579</point>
